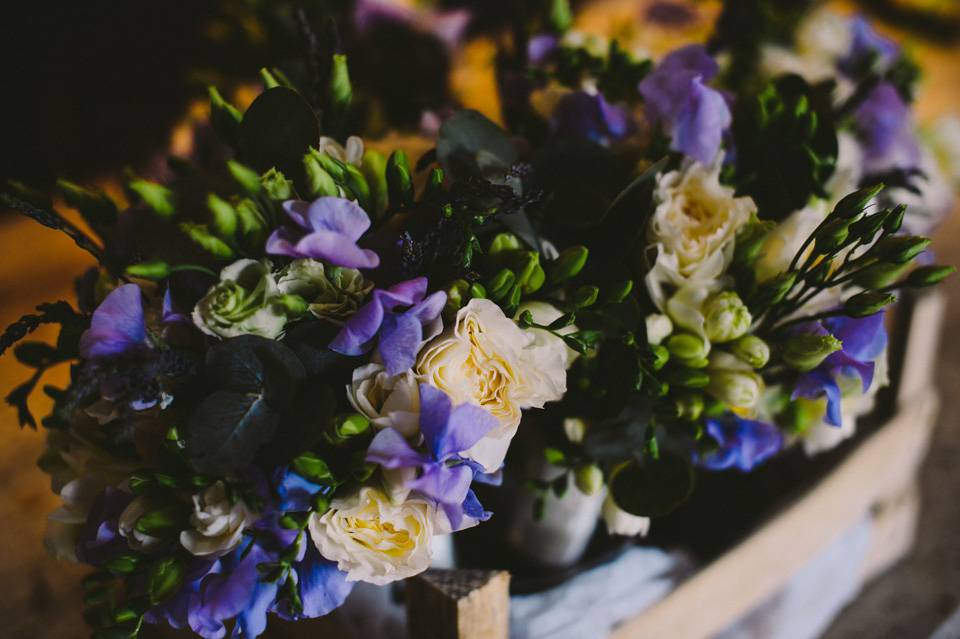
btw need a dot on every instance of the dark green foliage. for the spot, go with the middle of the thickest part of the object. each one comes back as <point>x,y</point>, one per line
<point>651,487</point>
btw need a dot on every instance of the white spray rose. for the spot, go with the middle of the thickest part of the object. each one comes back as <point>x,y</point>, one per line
<point>245,302</point>
<point>374,540</point>
<point>485,359</point>
<point>693,227</point>
<point>387,401</point>
<point>217,525</point>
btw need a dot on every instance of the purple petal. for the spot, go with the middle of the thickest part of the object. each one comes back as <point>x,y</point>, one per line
<point>339,216</point>
<point>227,595</point>
<point>281,242</point>
<point>252,620</point>
<point>446,485</point>
<point>322,586</point>
<point>297,210</point>
<point>541,47</point>
<point>435,409</point>
<point>693,57</point>
<point>816,384</point>
<point>117,325</point>
<point>467,425</point>
<point>391,450</point>
<point>862,338</point>
<point>743,443</point>
<point>429,309</point>
<point>355,338</point>
<point>400,337</point>
<point>336,248</point>
<point>403,294</point>
<point>701,120</point>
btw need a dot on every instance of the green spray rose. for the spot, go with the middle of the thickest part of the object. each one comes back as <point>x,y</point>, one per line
<point>334,298</point>
<point>246,301</point>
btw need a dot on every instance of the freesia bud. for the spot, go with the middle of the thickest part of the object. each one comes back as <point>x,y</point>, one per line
<point>224,117</point>
<point>574,427</point>
<point>751,350</point>
<point>344,427</point>
<point>165,577</point>
<point>588,478</point>
<point>658,327</point>
<point>458,293</point>
<point>319,181</point>
<point>311,466</point>
<point>224,221</point>
<point>690,406</point>
<point>806,352</point>
<point>687,346</point>
<point>500,284</point>
<point>159,199</point>
<point>245,177</point>
<point>568,264</point>
<point>735,387</point>
<point>725,317</point>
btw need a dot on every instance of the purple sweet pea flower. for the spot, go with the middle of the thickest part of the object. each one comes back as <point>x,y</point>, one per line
<point>400,333</point>
<point>447,432</point>
<point>294,491</point>
<point>100,537</point>
<point>541,48</point>
<point>863,340</point>
<point>327,229</point>
<point>677,98</point>
<point>321,585</point>
<point>581,114</point>
<point>117,327</point>
<point>883,123</point>
<point>744,443</point>
<point>867,41</point>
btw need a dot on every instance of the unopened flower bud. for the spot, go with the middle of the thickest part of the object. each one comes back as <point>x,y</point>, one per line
<point>575,428</point>
<point>806,352</point>
<point>688,377</point>
<point>737,388</point>
<point>159,199</point>
<point>851,205</point>
<point>458,293</point>
<point>619,291</point>
<point>687,346</point>
<point>319,181</point>
<point>165,577</point>
<point>344,427</point>
<point>895,219</point>
<point>772,291</point>
<point>245,177</point>
<point>150,270</point>
<point>928,275</point>
<point>661,356</point>
<point>725,317</point>
<point>339,86</point>
<point>311,466</point>
<point>690,406</point>
<point>831,235</point>
<point>588,478</point>
<point>879,275</point>
<point>530,275</point>
<point>868,226</point>
<point>502,245</point>
<point>751,350</point>
<point>500,284</point>
<point>568,264</point>
<point>399,181</point>
<point>585,296</point>
<point>373,167</point>
<point>866,304</point>
<point>658,327</point>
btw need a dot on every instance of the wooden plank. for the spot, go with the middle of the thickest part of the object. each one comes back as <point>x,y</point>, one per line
<point>746,575</point>
<point>459,604</point>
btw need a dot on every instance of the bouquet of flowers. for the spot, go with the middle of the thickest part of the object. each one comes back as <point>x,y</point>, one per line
<point>292,363</point>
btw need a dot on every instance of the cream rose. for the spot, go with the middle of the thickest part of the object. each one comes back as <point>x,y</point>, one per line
<point>387,401</point>
<point>693,228</point>
<point>374,540</point>
<point>217,525</point>
<point>485,359</point>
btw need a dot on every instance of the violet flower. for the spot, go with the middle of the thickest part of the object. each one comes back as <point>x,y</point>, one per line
<point>321,585</point>
<point>883,123</point>
<point>863,340</point>
<point>447,432</point>
<point>677,98</point>
<point>866,41</point>
<point>327,229</point>
<point>117,327</point>
<point>743,443</point>
<point>100,537</point>
<point>581,114</point>
<point>400,333</point>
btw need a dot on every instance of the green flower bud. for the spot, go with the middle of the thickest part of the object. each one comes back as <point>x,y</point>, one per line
<point>339,87</point>
<point>503,245</point>
<point>880,275</point>
<point>159,199</point>
<point>224,221</point>
<point>252,223</point>
<point>458,293</point>
<point>245,302</point>
<point>373,167</point>
<point>725,317</point>
<point>928,275</point>
<point>749,241</point>
<point>433,190</point>
<point>687,347</point>
<point>224,117</point>
<point>588,478</point>
<point>895,219</point>
<point>276,186</point>
<point>123,563</point>
<point>295,305</point>
<point>568,264</point>
<point>334,167</point>
<point>898,249</point>
<point>619,291</point>
<point>829,237</point>
<point>530,275</point>
<point>500,284</point>
<point>95,205</point>
<point>319,181</point>
<point>772,291</point>
<point>329,295</point>
<point>477,290</point>
<point>245,177</point>
<point>868,226</point>
<point>736,388</point>
<point>852,205</point>
<point>690,406</point>
<point>149,270</point>
<point>560,18</point>
<point>164,578</point>
<point>164,521</point>
<point>751,350</point>
<point>131,609</point>
<point>344,427</point>
<point>806,352</point>
<point>311,466</point>
<point>660,356</point>
<point>399,181</point>
<point>357,184</point>
<point>203,238</point>
<point>866,304</point>
<point>688,377</point>
<point>585,296</point>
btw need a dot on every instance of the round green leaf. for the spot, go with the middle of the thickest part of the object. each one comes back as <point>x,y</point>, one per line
<point>652,487</point>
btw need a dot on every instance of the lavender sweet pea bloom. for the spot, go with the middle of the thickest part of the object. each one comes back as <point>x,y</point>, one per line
<point>863,341</point>
<point>744,443</point>
<point>117,327</point>
<point>100,537</point>
<point>321,585</point>
<point>400,333</point>
<point>447,432</point>
<point>327,229</point>
<point>883,123</point>
<point>582,114</point>
<point>866,41</point>
<point>677,98</point>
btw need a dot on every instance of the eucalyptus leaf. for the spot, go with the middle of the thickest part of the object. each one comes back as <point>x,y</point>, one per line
<point>276,131</point>
<point>226,430</point>
<point>652,487</point>
<point>465,135</point>
<point>237,363</point>
<point>308,341</point>
<point>301,424</point>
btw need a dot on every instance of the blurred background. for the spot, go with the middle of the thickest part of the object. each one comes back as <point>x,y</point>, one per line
<point>90,90</point>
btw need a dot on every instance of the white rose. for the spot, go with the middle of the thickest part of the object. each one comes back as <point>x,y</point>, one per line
<point>693,227</point>
<point>485,359</point>
<point>374,540</point>
<point>217,525</point>
<point>246,301</point>
<point>551,346</point>
<point>620,522</point>
<point>388,402</point>
<point>128,526</point>
<point>783,242</point>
